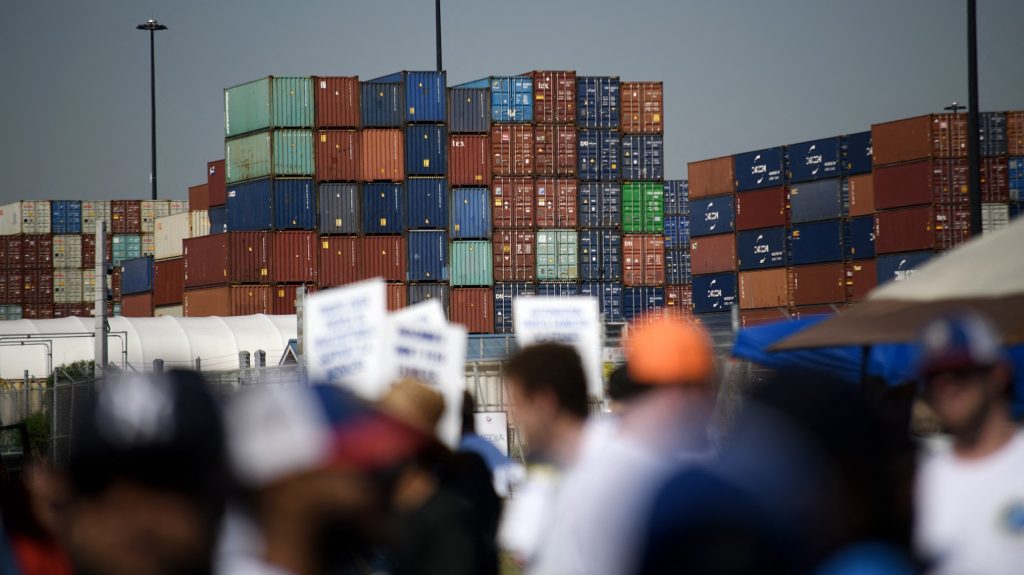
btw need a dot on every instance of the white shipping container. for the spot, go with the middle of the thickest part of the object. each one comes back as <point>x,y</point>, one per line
<point>200,223</point>
<point>151,210</point>
<point>93,211</point>
<point>25,217</point>
<point>994,217</point>
<point>148,245</point>
<point>170,231</point>
<point>170,311</point>
<point>89,285</point>
<point>177,207</point>
<point>67,286</point>
<point>67,252</point>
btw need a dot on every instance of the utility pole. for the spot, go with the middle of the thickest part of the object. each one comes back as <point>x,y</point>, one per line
<point>152,26</point>
<point>973,146</point>
<point>101,299</point>
<point>437,25</point>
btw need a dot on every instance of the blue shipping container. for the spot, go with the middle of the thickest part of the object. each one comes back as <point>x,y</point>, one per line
<point>428,257</point>
<point>503,295</point>
<point>1016,179</point>
<point>820,200</point>
<point>643,158</point>
<point>899,267</point>
<point>383,208</point>
<point>426,150</point>
<point>294,204</point>
<point>609,298</point>
<point>598,153</point>
<point>759,169</point>
<point>760,249</point>
<point>677,197</point>
<point>860,238</point>
<point>677,267</point>
<point>511,97</point>
<point>66,217</point>
<point>424,94</point>
<point>557,289</point>
<point>858,154</point>
<point>597,101</point>
<point>992,133</point>
<point>381,105</point>
<point>714,293</point>
<point>600,255</point>
<point>677,232</point>
<point>428,291</point>
<point>137,275</point>
<point>218,219</point>
<point>715,215</point>
<point>469,110</point>
<point>815,160</point>
<point>471,213</point>
<point>250,207</point>
<point>600,204</point>
<point>426,203</point>
<point>637,301</point>
<point>816,242</point>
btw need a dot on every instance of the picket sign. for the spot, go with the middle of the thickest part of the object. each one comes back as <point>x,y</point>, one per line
<point>574,321</point>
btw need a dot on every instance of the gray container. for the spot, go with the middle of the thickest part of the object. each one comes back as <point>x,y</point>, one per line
<point>428,291</point>
<point>338,211</point>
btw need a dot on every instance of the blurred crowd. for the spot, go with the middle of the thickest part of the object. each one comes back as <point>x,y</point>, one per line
<point>810,475</point>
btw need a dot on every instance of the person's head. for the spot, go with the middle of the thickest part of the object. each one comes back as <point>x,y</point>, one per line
<point>414,403</point>
<point>670,351</point>
<point>547,388</point>
<point>468,411</point>
<point>966,377</point>
<point>147,478</point>
<point>622,390</point>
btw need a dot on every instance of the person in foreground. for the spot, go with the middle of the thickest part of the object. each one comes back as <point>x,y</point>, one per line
<point>970,498</point>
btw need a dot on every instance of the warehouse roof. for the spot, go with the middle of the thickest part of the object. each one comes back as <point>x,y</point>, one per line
<point>216,341</point>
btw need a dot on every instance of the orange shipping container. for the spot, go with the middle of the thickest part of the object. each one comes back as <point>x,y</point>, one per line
<point>764,289</point>
<point>643,260</point>
<point>512,150</point>
<point>554,150</point>
<point>168,281</point>
<point>642,107</point>
<point>713,254</point>
<point>930,136</point>
<point>1015,133</point>
<point>469,160</point>
<point>862,195</point>
<point>754,317</point>
<point>473,308</point>
<point>384,257</point>
<point>397,296</point>
<point>137,305</point>
<point>337,155</point>
<point>861,278</point>
<point>382,156</point>
<point>711,177</point>
<point>339,260</point>
<point>198,197</point>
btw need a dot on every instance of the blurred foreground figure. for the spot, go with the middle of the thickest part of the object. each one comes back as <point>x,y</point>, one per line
<point>505,473</point>
<point>146,479</point>
<point>971,497</point>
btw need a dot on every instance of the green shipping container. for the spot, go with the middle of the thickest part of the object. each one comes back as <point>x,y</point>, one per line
<point>557,255</point>
<point>126,247</point>
<point>643,208</point>
<point>273,153</point>
<point>471,263</point>
<point>270,102</point>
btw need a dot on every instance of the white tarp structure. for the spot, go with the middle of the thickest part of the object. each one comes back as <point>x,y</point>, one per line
<point>178,341</point>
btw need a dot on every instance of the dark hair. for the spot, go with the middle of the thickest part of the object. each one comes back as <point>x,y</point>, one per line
<point>468,407</point>
<point>555,368</point>
<point>621,387</point>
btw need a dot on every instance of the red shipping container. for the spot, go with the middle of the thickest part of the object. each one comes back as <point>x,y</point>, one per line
<point>554,97</point>
<point>679,300</point>
<point>72,310</point>
<point>861,278</point>
<point>37,286</point>
<point>284,297</point>
<point>215,183</point>
<point>711,177</point>
<point>36,251</point>
<point>472,308</point>
<point>554,150</point>
<point>126,216</point>
<point>12,289</point>
<point>514,256</point>
<point>995,180</point>
<point>336,101</point>
<point>862,195</point>
<point>198,197</point>
<point>761,209</point>
<point>137,305</point>
<point>513,203</point>
<point>930,136</point>
<point>764,289</point>
<point>337,155</point>
<point>339,260</point>
<point>227,300</point>
<point>642,107</point>
<point>905,230</point>
<point>818,284</point>
<point>295,257</point>
<point>89,250</point>
<point>556,203</point>
<point>382,156</point>
<point>168,281</point>
<point>251,299</point>
<point>713,254</point>
<point>1015,133</point>
<point>10,252</point>
<point>512,150</point>
<point>469,160</point>
<point>383,257</point>
<point>952,225</point>
<point>233,257</point>
<point>37,311</point>
<point>643,260</point>
<point>903,185</point>
<point>755,317</point>
<point>397,294</point>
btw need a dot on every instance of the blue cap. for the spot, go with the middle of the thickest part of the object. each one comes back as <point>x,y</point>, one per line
<point>958,342</point>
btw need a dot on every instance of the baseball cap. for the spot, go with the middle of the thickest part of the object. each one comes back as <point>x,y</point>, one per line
<point>669,351</point>
<point>957,342</point>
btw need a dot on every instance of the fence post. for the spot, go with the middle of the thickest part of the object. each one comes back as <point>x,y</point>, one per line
<point>243,360</point>
<point>24,386</point>
<point>158,366</point>
<point>199,364</point>
<point>261,358</point>
<point>53,419</point>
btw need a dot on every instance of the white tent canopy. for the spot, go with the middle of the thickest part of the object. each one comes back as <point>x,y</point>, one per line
<point>135,342</point>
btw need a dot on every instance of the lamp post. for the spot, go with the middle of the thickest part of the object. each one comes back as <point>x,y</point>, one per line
<point>152,26</point>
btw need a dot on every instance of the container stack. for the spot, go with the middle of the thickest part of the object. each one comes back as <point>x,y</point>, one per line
<point>678,288</point>
<point>1015,149</point>
<point>712,194</point>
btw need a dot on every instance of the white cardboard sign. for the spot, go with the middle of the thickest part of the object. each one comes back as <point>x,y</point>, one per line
<point>574,321</point>
<point>493,426</point>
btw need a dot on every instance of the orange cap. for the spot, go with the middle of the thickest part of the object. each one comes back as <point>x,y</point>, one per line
<point>669,351</point>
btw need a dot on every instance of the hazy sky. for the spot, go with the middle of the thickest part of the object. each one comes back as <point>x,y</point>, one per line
<point>739,74</point>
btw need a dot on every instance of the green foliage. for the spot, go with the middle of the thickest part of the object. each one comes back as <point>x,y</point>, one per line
<point>38,425</point>
<point>75,371</point>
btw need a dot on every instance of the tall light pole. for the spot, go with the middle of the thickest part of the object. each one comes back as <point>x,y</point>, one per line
<point>437,31</point>
<point>153,26</point>
<point>973,146</point>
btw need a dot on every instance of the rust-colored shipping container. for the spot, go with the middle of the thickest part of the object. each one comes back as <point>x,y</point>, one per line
<point>168,281</point>
<point>216,184</point>
<point>383,257</point>
<point>711,177</point>
<point>643,260</point>
<point>512,150</point>
<point>12,286</point>
<point>233,257</point>
<point>764,288</point>
<point>115,283</point>
<point>861,278</point>
<point>556,203</point>
<point>554,150</point>
<point>642,109</point>
<point>10,253</point>
<point>930,136</point>
<point>72,310</point>
<point>514,257</point>
<point>295,257</point>
<point>469,160</point>
<point>818,284</point>
<point>905,230</point>
<point>862,195</point>
<point>336,101</point>
<point>37,311</point>
<point>755,317</point>
<point>761,209</point>
<point>472,308</point>
<point>251,299</point>
<point>199,197</point>
<point>513,203</point>
<point>937,181</point>
<point>398,296</point>
<point>1015,133</point>
<point>339,260</point>
<point>903,185</point>
<point>126,216</point>
<point>713,254</point>
<point>37,286</point>
<point>36,250</point>
<point>382,156</point>
<point>995,180</point>
<point>679,300</point>
<point>952,225</point>
<point>284,295</point>
<point>554,97</point>
<point>337,155</point>
<point>137,305</point>
<point>89,249</point>
<point>227,300</point>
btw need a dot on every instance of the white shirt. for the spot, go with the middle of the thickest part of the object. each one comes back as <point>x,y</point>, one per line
<point>970,513</point>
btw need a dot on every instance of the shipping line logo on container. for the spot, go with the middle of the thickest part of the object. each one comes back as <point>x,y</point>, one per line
<point>760,170</point>
<point>813,159</point>
<point>902,274</point>
<point>711,215</point>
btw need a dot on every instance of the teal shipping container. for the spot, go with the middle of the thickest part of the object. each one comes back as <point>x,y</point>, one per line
<point>284,102</point>
<point>125,247</point>
<point>557,255</point>
<point>472,263</point>
<point>643,208</point>
<point>264,154</point>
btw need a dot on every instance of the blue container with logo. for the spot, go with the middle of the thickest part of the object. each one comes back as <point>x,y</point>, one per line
<point>637,301</point>
<point>860,238</point>
<point>504,293</point>
<point>557,289</point>
<point>759,169</point>
<point>599,204</point>
<point>598,154</point>
<point>816,242</point>
<point>426,201</point>
<point>643,157</point>
<point>137,275</point>
<point>815,160</point>
<point>383,208</point>
<point>677,197</point>
<point>762,248</point>
<point>714,293</point>
<point>469,110</point>
<point>426,150</point>
<point>423,95</point>
<point>898,267</point>
<point>218,219</point>
<point>677,267</point>
<point>427,256</point>
<point>714,215</point>
<point>66,217</point>
<point>294,204</point>
<point>677,232</point>
<point>597,101</point>
<point>471,213</point>
<point>609,298</point>
<point>250,207</point>
<point>857,153</point>
<point>600,255</point>
<point>817,200</point>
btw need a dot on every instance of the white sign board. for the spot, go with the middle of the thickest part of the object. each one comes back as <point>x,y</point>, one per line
<point>574,321</point>
<point>493,426</point>
<point>426,312</point>
<point>343,336</point>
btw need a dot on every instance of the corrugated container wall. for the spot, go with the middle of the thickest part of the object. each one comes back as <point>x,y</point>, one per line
<point>556,203</point>
<point>272,102</point>
<point>67,253</point>
<point>469,110</point>
<point>992,133</point>
<point>762,248</point>
<point>899,267</point>
<point>861,192</point>
<point>764,289</point>
<point>814,160</point>
<point>930,136</point>
<point>609,298</point>
<point>125,247</point>
<point>513,200</point>
<point>383,155</point>
<point>383,208</point>
<point>336,101</point>
<point>216,182</point>
<point>640,301</point>
<point>381,104</point>
<point>600,255</point>
<point>711,177</point>
<point>504,293</point>
<point>860,238</point>
<point>512,150</point>
<point>126,216</point>
<point>199,197</point>
<point>713,254</point>
<point>91,212</point>
<point>66,217</point>
<point>599,152</point>
<point>642,107</point>
<point>554,97</point>
<point>295,257</point>
<point>473,308</point>
<point>557,255</point>
<point>168,281</point>
<point>427,203</point>
<point>714,293</point>
<point>643,260</point>
<point>397,296</point>
<point>422,96</point>
<point>597,101</point>
<point>428,258</point>
<point>137,305</point>
<point>340,261</point>
<point>169,232</point>
<point>643,158</point>
<point>250,207</point>
<point>861,278</point>
<point>643,207</point>
<point>817,200</point>
<point>905,230</point>
<point>511,98</point>
<point>36,251</point>
<point>715,215</point>
<point>1015,133</point>
<point>169,311</point>
<point>236,257</point>
<point>338,209</point>
<point>429,291</point>
<point>858,158</point>
<point>818,284</point>
<point>677,197</point>
<point>471,263</point>
<point>294,204</point>
<point>816,242</point>
<point>514,255</point>
<point>761,208</point>
<point>337,155</point>
<point>469,160</point>
<point>199,223</point>
<point>67,286</point>
<point>555,150</point>
<point>283,298</point>
<point>600,205</point>
<point>384,257</point>
<point>426,150</point>
<point>759,169</point>
<point>136,276</point>
<point>677,232</point>
<point>471,213</point>
<point>276,153</point>
<point>150,211</point>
